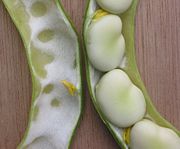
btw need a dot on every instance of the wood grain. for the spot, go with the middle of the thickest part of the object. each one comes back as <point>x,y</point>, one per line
<point>158,54</point>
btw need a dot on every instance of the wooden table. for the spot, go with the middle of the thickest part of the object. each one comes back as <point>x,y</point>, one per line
<point>158,55</point>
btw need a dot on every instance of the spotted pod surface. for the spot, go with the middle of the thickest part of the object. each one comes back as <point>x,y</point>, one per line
<point>53,54</point>
<point>127,64</point>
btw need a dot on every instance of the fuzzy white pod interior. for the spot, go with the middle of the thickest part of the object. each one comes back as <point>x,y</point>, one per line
<point>57,112</point>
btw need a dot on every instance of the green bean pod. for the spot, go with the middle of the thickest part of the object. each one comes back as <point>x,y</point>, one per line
<point>128,66</point>
<point>53,53</point>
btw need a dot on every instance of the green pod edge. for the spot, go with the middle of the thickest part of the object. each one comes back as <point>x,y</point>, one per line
<point>25,38</point>
<point>128,21</point>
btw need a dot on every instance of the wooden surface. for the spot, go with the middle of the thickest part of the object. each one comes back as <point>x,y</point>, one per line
<point>158,54</point>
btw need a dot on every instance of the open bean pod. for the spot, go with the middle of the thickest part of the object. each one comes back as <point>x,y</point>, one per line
<point>53,54</point>
<point>114,82</point>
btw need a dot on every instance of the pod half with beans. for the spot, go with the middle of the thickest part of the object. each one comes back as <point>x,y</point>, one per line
<point>53,54</point>
<point>117,90</point>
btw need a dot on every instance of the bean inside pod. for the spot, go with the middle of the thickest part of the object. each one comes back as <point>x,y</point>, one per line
<point>53,54</point>
<point>117,90</point>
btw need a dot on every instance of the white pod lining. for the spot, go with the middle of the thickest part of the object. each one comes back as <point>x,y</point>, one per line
<point>53,52</point>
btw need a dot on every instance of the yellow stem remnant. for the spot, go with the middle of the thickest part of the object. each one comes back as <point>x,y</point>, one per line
<point>99,13</point>
<point>126,135</point>
<point>70,87</point>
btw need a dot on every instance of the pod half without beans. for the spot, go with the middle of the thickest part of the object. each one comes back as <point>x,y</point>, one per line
<point>117,90</point>
<point>54,59</point>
